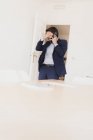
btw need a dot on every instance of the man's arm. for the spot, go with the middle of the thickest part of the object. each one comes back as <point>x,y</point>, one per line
<point>61,47</point>
<point>39,46</point>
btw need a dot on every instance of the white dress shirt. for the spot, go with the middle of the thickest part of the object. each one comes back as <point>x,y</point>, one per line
<point>49,55</point>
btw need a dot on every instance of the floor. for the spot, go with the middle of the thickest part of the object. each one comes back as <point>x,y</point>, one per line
<point>40,111</point>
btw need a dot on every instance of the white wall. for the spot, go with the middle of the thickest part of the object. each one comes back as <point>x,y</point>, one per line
<point>16,32</point>
<point>81,45</point>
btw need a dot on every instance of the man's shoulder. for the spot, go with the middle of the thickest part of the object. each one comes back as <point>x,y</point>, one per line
<point>62,41</point>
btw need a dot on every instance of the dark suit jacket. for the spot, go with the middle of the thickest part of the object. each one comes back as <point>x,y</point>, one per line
<point>58,55</point>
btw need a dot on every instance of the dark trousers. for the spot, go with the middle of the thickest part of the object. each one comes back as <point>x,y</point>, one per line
<point>47,72</point>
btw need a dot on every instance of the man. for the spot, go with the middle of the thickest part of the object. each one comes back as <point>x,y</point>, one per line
<point>51,61</point>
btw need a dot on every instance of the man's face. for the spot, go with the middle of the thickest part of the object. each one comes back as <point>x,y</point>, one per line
<point>49,35</point>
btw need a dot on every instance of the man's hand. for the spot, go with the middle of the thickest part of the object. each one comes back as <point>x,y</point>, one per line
<point>45,38</point>
<point>54,40</point>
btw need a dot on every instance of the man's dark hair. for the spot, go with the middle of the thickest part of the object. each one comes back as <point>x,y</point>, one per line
<point>53,30</point>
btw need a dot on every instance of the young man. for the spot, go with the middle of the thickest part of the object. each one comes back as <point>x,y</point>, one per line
<point>51,61</point>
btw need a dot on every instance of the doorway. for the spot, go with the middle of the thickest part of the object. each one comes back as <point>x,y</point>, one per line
<point>63,30</point>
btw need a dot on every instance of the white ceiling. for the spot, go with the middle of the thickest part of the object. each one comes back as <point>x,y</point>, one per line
<point>57,1</point>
